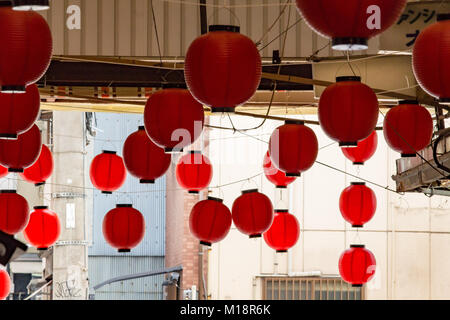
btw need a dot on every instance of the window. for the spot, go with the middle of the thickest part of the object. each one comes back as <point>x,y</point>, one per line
<point>317,288</point>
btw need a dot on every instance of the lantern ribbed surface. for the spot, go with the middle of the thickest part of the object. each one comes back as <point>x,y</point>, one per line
<point>41,170</point>
<point>274,175</point>
<point>357,265</point>
<point>5,284</point>
<point>14,212</point>
<point>194,172</point>
<point>43,229</point>
<point>284,231</point>
<point>107,172</point>
<point>363,151</point>
<point>358,204</point>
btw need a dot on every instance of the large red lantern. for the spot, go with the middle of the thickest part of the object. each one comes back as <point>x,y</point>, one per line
<point>430,59</point>
<point>293,148</point>
<point>277,177</point>
<point>26,48</point>
<point>210,221</point>
<point>107,172</point>
<point>194,172</point>
<point>21,153</point>
<point>41,170</point>
<point>43,229</point>
<point>14,212</point>
<point>350,23</point>
<point>223,68</point>
<point>358,204</point>
<point>252,213</point>
<point>363,151</point>
<point>284,231</point>
<point>173,119</point>
<point>408,128</point>
<point>144,159</point>
<point>357,265</point>
<point>18,111</point>
<point>348,111</point>
<point>124,227</point>
<point>5,284</point>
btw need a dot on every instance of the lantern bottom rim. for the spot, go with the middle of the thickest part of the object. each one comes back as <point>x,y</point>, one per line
<point>445,101</point>
<point>13,89</point>
<point>193,192</point>
<point>124,250</point>
<point>357,285</point>
<point>357,226</point>
<point>144,181</point>
<point>39,184</point>
<point>8,136</point>
<point>205,243</point>
<point>288,174</point>
<point>282,251</point>
<point>348,144</point>
<point>408,155</point>
<point>173,150</point>
<point>255,236</point>
<point>281,187</point>
<point>358,163</point>
<point>107,192</point>
<point>349,44</point>
<point>42,249</point>
<point>15,170</point>
<point>222,109</point>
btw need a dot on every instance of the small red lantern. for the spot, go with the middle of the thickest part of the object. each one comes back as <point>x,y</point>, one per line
<point>23,152</point>
<point>173,119</point>
<point>124,227</point>
<point>194,172</point>
<point>348,111</point>
<point>223,68</point>
<point>284,232</point>
<point>107,172</point>
<point>3,171</point>
<point>43,229</point>
<point>277,177</point>
<point>26,48</point>
<point>293,148</point>
<point>14,212</point>
<point>252,213</point>
<point>408,128</point>
<point>430,59</point>
<point>358,204</point>
<point>41,170</point>
<point>210,221</point>
<point>363,151</point>
<point>357,265</point>
<point>144,159</point>
<point>5,284</point>
<point>18,111</point>
<point>350,23</point>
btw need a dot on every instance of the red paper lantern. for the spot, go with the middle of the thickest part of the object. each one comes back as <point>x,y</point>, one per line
<point>363,151</point>
<point>277,177</point>
<point>14,212</point>
<point>5,284</point>
<point>284,232</point>
<point>173,119</point>
<point>18,111</point>
<point>293,148</point>
<point>210,221</point>
<point>357,265</point>
<point>43,229</point>
<point>26,48</point>
<point>107,172</point>
<point>408,128</point>
<point>350,23</point>
<point>41,170</point>
<point>430,59</point>
<point>124,227</point>
<point>358,204</point>
<point>194,172</point>
<point>144,159</point>
<point>223,68</point>
<point>21,153</point>
<point>252,213</point>
<point>3,171</point>
<point>348,111</point>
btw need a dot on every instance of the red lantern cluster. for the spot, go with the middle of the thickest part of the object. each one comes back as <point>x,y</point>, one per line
<point>252,213</point>
<point>357,265</point>
<point>408,128</point>
<point>107,172</point>
<point>293,148</point>
<point>194,172</point>
<point>348,111</point>
<point>350,23</point>
<point>210,221</point>
<point>41,170</point>
<point>358,204</point>
<point>144,159</point>
<point>173,119</point>
<point>274,175</point>
<point>430,59</point>
<point>223,68</point>
<point>19,154</point>
<point>284,231</point>
<point>18,111</point>
<point>124,227</point>
<point>363,151</point>
<point>43,229</point>
<point>5,284</point>
<point>14,212</point>
<point>26,48</point>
